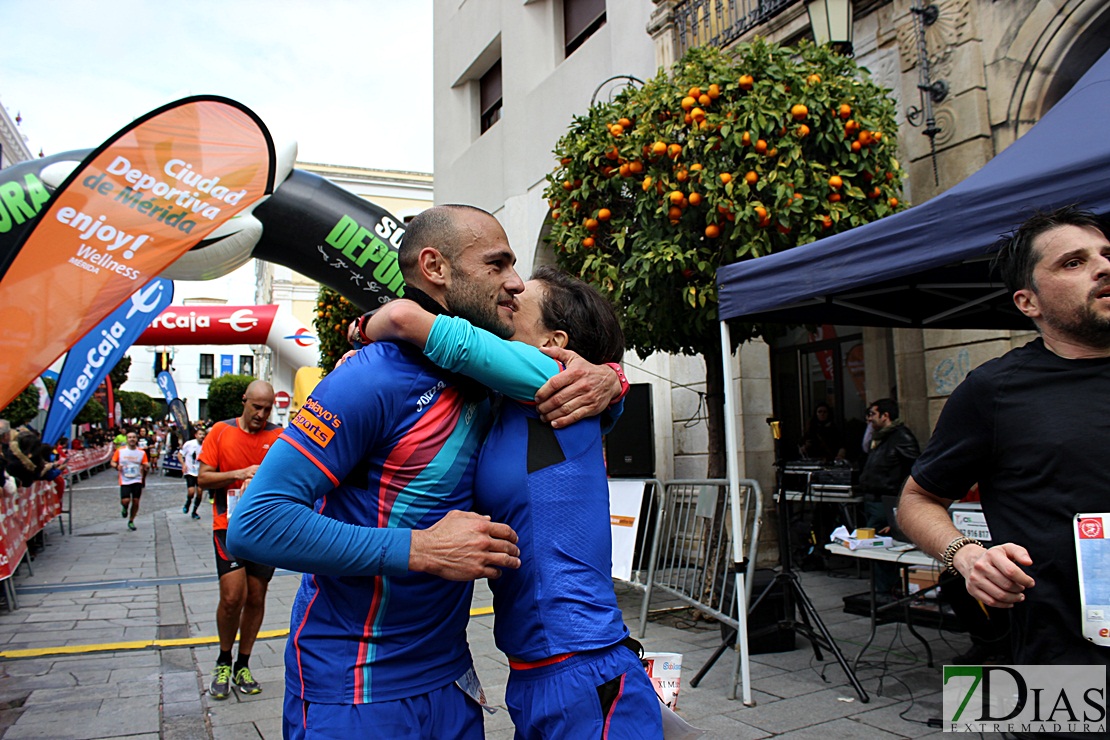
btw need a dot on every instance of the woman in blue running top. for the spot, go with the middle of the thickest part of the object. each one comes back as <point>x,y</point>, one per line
<point>572,672</point>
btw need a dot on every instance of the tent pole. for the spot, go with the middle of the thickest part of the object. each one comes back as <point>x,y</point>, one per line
<point>732,451</point>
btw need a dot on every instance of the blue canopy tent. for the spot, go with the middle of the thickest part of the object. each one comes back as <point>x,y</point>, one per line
<point>929,266</point>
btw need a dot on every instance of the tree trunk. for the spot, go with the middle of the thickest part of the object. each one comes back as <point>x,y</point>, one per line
<point>715,409</point>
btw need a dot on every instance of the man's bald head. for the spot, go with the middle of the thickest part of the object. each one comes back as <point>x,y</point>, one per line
<point>258,403</point>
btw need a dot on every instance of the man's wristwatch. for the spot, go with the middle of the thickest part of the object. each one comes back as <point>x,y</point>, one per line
<point>953,547</point>
<point>623,380</point>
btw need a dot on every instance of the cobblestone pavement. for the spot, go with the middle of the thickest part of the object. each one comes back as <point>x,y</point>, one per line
<point>115,637</point>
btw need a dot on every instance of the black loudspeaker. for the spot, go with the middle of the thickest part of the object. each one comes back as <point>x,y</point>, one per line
<point>630,446</point>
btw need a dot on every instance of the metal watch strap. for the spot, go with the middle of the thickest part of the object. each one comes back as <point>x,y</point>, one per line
<point>953,547</point>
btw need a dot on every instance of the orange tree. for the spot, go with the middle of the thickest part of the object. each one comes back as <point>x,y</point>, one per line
<point>333,314</point>
<point>733,155</point>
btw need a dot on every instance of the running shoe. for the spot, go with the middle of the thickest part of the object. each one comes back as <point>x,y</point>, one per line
<point>185,508</point>
<point>123,512</point>
<point>245,681</point>
<point>131,526</point>
<point>221,682</point>
<point>196,515</point>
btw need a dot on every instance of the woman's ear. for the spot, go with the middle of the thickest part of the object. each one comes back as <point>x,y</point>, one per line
<point>557,338</point>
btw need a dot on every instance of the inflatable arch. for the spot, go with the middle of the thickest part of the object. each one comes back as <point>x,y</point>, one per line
<point>271,325</point>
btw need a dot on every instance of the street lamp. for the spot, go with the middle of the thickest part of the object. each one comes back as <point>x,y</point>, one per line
<point>831,21</point>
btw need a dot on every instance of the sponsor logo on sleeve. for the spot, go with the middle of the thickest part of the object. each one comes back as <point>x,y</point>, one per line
<point>317,422</point>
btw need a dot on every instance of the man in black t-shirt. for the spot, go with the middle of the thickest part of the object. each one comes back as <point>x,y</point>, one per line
<point>1031,428</point>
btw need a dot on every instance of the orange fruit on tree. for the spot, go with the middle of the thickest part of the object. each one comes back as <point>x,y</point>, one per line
<point>682,175</point>
<point>876,135</point>
<point>625,122</point>
<point>554,215</point>
<point>613,154</point>
<point>798,196</point>
<point>659,148</point>
<point>647,183</point>
<point>834,197</point>
<point>695,199</point>
<point>689,102</point>
<point>674,213</point>
<point>676,196</point>
<point>826,222</point>
<point>876,192</point>
<point>889,176</point>
<point>695,92</point>
<point>726,177</point>
<point>893,202</point>
<point>588,242</point>
<point>856,146</point>
<point>746,82</point>
<point>813,79</point>
<point>836,182</point>
<point>783,229</point>
<point>851,127</point>
<point>760,212</point>
<point>575,204</point>
<point>590,224</point>
<point>688,119</point>
<point>697,114</point>
<point>616,129</point>
<point>799,112</point>
<point>636,167</point>
<point>674,150</point>
<point>695,167</point>
<point>712,231</point>
<point>604,214</point>
<point>845,111</point>
<point>568,185</point>
<point>761,146</point>
<point>865,137</point>
<point>746,139</point>
<point>752,177</point>
<point>714,91</point>
<point>772,152</point>
<point>704,100</point>
<point>803,131</point>
<point>623,170</point>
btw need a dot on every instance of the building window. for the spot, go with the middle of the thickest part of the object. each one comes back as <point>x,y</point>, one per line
<point>246,365</point>
<point>202,409</point>
<point>207,366</point>
<point>490,96</point>
<point>581,18</point>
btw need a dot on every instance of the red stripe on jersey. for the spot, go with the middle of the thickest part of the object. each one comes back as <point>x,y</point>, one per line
<point>417,448</point>
<point>300,448</point>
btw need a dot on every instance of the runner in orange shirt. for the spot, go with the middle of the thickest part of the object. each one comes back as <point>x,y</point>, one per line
<point>132,464</point>
<point>230,457</point>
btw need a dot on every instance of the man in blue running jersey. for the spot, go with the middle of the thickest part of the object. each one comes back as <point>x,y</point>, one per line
<point>369,494</point>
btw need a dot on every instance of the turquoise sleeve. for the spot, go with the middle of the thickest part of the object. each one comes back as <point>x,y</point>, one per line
<point>516,369</point>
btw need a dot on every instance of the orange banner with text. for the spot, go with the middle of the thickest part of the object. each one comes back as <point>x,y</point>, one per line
<point>138,202</point>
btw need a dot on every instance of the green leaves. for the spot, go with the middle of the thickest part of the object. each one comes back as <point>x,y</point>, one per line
<point>658,258</point>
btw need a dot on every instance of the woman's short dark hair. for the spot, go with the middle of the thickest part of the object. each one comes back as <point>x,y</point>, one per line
<point>1016,257</point>
<point>590,321</point>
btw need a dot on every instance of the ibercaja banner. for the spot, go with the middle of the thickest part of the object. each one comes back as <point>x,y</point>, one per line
<point>137,203</point>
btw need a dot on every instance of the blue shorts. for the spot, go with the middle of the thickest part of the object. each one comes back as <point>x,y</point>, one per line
<point>597,694</point>
<point>446,712</point>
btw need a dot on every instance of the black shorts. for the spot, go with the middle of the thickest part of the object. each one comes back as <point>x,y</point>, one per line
<point>190,481</point>
<point>130,490</point>
<point>227,563</point>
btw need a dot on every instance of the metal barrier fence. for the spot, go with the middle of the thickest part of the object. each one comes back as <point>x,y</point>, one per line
<point>701,538</point>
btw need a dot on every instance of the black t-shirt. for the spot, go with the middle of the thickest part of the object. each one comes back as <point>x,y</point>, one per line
<point>1032,429</point>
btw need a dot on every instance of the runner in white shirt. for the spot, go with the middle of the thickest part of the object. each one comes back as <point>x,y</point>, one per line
<point>132,464</point>
<point>190,467</point>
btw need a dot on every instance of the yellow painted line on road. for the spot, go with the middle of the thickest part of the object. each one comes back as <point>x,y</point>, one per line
<point>110,647</point>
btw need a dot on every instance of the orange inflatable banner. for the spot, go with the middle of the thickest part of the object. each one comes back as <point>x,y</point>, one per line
<point>136,204</point>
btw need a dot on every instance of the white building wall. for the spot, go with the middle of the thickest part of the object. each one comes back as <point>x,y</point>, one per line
<point>503,170</point>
